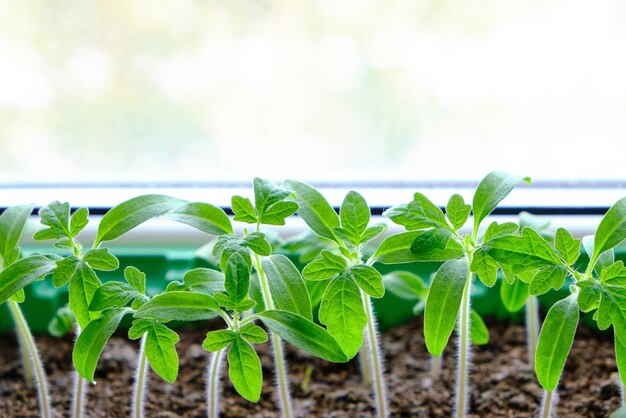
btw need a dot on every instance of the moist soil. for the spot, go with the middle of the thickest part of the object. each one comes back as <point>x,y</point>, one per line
<point>502,383</point>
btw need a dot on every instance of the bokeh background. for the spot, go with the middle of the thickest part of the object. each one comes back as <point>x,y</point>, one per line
<point>320,90</point>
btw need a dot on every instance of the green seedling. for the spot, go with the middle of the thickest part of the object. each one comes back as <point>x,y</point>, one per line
<point>349,281</point>
<point>433,236</point>
<point>599,288</point>
<point>15,274</point>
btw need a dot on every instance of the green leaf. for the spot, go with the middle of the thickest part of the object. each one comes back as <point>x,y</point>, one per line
<point>276,214</point>
<point>201,280</point>
<point>139,327</point>
<point>101,259</point>
<point>326,267</point>
<point>62,322</point>
<point>92,340</point>
<point>620,357</point>
<point>179,306</point>
<point>64,271</point>
<point>485,266</point>
<point>514,295</point>
<point>267,194</point>
<point>612,229</point>
<point>555,341</point>
<point>113,295</point>
<point>589,295</point>
<point>18,296</point>
<point>83,286</point>
<point>227,245</point>
<point>528,251</point>
<point>244,369</point>
<point>12,222</point>
<point>612,308</point>
<point>343,314</point>
<point>421,213</point>
<point>161,351</point>
<point>22,273</point>
<point>304,334</point>
<point>495,230</point>
<point>254,334</point>
<point>431,240</point>
<point>479,333</point>
<point>243,210</point>
<point>397,249</point>
<point>287,286</point>
<point>256,242</point>
<point>237,283</point>
<point>372,232</point>
<point>136,278</point>
<point>566,246</point>
<point>202,216</point>
<point>57,216</point>
<point>368,279</point>
<point>552,277</point>
<point>218,340</point>
<point>457,211</point>
<point>490,192</point>
<point>47,234</point>
<point>604,260</point>
<point>314,209</point>
<point>78,221</point>
<point>354,214</point>
<point>443,303</point>
<point>132,213</point>
<point>405,285</point>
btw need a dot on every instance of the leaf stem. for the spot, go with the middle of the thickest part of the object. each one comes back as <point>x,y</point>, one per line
<point>279,357</point>
<point>364,360</point>
<point>436,363</point>
<point>376,365</point>
<point>80,389</point>
<point>213,384</point>
<point>462,389</point>
<point>141,380</point>
<point>532,328</point>
<point>31,348</point>
<point>546,405</point>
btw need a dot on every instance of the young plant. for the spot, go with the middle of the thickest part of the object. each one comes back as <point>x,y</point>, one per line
<point>600,287</point>
<point>433,236</point>
<point>350,281</point>
<point>15,274</point>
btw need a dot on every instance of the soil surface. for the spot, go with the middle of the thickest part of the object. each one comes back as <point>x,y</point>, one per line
<point>502,383</point>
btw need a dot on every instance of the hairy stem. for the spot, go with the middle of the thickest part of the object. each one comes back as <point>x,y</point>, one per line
<point>141,380</point>
<point>27,363</point>
<point>213,384</point>
<point>80,390</point>
<point>546,405</point>
<point>623,387</point>
<point>33,354</point>
<point>277,346</point>
<point>532,328</point>
<point>376,364</point>
<point>462,389</point>
<point>436,364</point>
<point>364,360</point>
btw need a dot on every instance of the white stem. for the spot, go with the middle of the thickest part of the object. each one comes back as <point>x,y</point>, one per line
<point>27,363</point>
<point>80,390</point>
<point>213,384</point>
<point>532,328</point>
<point>282,380</point>
<point>462,389</point>
<point>546,405</point>
<point>376,364</point>
<point>436,365</point>
<point>141,380</point>
<point>623,387</point>
<point>31,348</point>
<point>364,360</point>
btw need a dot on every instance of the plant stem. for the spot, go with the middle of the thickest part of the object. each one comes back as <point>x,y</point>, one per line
<point>279,357</point>
<point>31,349</point>
<point>80,390</point>
<point>364,360</point>
<point>213,385</point>
<point>462,392</point>
<point>546,405</point>
<point>376,366</point>
<point>436,364</point>
<point>532,328</point>
<point>27,363</point>
<point>141,380</point>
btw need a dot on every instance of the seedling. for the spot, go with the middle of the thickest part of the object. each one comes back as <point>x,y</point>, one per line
<point>15,274</point>
<point>433,236</point>
<point>601,287</point>
<point>346,307</point>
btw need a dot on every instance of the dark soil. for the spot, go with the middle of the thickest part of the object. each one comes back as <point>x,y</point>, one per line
<point>502,384</point>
